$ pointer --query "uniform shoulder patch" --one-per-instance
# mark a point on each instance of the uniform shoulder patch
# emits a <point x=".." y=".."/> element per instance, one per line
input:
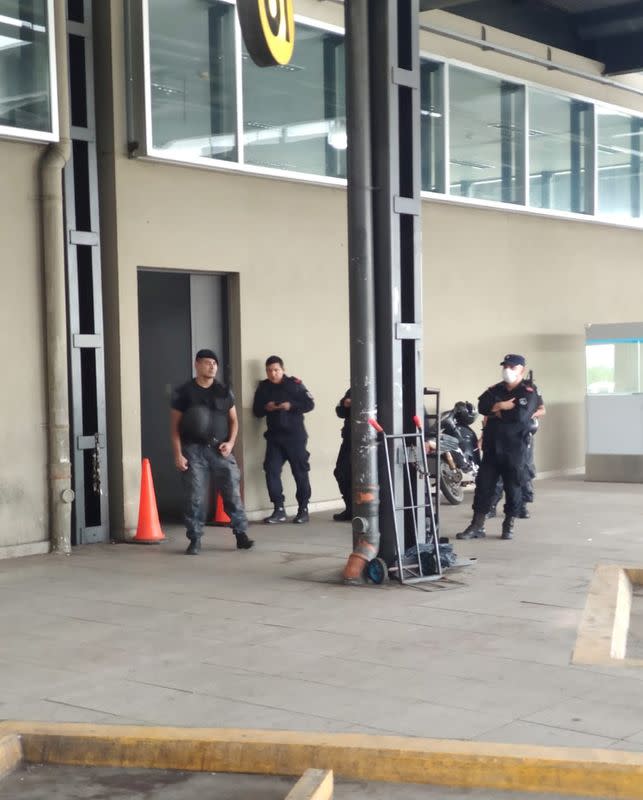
<point x="529" y="388"/>
<point x="296" y="380"/>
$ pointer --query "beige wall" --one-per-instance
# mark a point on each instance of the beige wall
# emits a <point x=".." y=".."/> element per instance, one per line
<point x="23" y="439"/>
<point x="495" y="281"/>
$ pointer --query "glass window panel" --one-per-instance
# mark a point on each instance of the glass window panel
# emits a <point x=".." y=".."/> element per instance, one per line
<point x="486" y="137"/>
<point x="295" y="115"/>
<point x="560" y="152"/>
<point x="619" y="163"/>
<point x="432" y="126"/>
<point x="192" y="79"/>
<point x="25" y="90"/>
<point x="613" y="367"/>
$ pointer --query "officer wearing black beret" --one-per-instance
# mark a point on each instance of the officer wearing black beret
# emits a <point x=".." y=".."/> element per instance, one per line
<point x="510" y="407"/>
<point x="284" y="400"/>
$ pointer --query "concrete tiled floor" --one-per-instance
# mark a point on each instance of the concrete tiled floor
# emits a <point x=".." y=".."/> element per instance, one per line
<point x="269" y="638"/>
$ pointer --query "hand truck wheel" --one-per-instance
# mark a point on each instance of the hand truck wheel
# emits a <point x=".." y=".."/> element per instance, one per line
<point x="377" y="570"/>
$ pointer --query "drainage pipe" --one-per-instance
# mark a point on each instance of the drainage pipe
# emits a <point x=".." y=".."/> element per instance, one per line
<point x="361" y="285"/>
<point x="52" y="165"/>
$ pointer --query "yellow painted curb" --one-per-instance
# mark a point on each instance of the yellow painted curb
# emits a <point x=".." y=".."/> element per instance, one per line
<point x="590" y="773"/>
<point x="315" y="784"/>
<point x="10" y="753"/>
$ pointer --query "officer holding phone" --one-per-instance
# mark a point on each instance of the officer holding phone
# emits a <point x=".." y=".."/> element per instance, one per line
<point x="284" y="400"/>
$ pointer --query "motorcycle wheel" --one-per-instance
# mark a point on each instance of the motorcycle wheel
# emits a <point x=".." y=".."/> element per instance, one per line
<point x="451" y="484"/>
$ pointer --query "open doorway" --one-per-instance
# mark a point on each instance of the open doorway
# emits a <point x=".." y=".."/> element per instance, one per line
<point x="178" y="313"/>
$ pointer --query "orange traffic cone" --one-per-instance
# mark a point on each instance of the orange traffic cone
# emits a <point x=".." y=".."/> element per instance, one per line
<point x="148" y="530"/>
<point x="220" y="517"/>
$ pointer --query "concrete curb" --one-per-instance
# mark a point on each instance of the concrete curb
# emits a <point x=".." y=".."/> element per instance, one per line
<point x="10" y="753"/>
<point x="314" y="784"/>
<point x="603" y="632"/>
<point x="567" y="771"/>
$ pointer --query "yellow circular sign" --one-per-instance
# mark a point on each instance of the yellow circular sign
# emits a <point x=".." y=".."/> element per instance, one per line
<point x="268" y="28"/>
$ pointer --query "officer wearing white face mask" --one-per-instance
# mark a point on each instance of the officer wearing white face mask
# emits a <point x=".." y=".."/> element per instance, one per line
<point x="510" y="407"/>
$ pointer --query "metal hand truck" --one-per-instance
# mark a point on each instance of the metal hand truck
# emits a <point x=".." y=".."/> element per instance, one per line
<point x="409" y="447"/>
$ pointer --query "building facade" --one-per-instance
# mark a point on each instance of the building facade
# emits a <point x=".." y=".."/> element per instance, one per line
<point x="205" y="205"/>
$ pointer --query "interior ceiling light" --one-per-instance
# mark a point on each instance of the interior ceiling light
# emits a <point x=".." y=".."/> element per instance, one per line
<point x="7" y="42"/>
<point x="471" y="164"/>
<point x="337" y="136"/>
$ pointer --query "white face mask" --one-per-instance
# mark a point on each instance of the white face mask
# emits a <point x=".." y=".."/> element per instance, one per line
<point x="509" y="375"/>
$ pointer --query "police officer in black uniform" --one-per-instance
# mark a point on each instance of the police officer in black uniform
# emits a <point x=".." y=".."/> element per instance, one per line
<point x="342" y="470"/>
<point x="284" y="400"/>
<point x="204" y="428"/>
<point x="530" y="474"/>
<point x="510" y="407"/>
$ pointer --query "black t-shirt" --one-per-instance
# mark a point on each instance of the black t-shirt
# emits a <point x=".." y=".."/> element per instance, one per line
<point x="217" y="399"/>
<point x="280" y="424"/>
<point x="511" y="428"/>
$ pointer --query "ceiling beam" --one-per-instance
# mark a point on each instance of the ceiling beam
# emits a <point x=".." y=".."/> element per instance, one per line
<point x="620" y="54"/>
<point x="432" y="5"/>
<point x="607" y="22"/>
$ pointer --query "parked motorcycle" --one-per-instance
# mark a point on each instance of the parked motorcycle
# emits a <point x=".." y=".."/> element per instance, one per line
<point x="459" y="451"/>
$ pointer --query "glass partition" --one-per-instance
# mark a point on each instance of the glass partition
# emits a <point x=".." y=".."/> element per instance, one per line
<point x="25" y="79"/>
<point x="613" y="367"/>
<point x="294" y="116"/>
<point x="192" y="79"/>
<point x="619" y="163"/>
<point x="561" y="153"/>
<point x="486" y="137"/>
<point x="432" y="118"/>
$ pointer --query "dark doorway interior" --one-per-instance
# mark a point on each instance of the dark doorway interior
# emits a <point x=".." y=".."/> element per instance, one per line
<point x="179" y="313"/>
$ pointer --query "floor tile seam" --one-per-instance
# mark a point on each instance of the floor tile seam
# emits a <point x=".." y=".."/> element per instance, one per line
<point x="570" y="730"/>
<point x="303" y="682"/>
<point x="447" y="628"/>
<point x="549" y="727"/>
<point x="395" y="696"/>
<point x="482" y="684"/>
<point x="80" y="706"/>
<point x="445" y="670"/>
<point x="237" y="701"/>
<point x="449" y="649"/>
<point x="469" y="613"/>
<point x="504" y="616"/>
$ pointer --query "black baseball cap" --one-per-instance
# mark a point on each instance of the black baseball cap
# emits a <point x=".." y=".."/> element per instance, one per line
<point x="513" y="360"/>
<point x="206" y="353"/>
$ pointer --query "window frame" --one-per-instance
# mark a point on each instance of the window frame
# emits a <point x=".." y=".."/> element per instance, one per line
<point x="29" y="134"/>
<point x="240" y="164"/>
<point x="593" y="215"/>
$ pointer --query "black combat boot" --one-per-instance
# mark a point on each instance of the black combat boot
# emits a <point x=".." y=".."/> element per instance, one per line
<point x="277" y="516"/>
<point x="194" y="548"/>
<point x="524" y="512"/>
<point x="343" y="516"/>
<point x="492" y="512"/>
<point x="302" y="515"/>
<point x="508" y="527"/>
<point x="243" y="543"/>
<point x="475" y="529"/>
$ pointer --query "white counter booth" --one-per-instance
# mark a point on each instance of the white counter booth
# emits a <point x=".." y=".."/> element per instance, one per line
<point x="614" y="403"/>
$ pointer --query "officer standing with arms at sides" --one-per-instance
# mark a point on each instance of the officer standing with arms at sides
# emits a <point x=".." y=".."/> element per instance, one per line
<point x="342" y="470"/>
<point x="510" y="407"/>
<point x="204" y="428"/>
<point x="284" y="400"/>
